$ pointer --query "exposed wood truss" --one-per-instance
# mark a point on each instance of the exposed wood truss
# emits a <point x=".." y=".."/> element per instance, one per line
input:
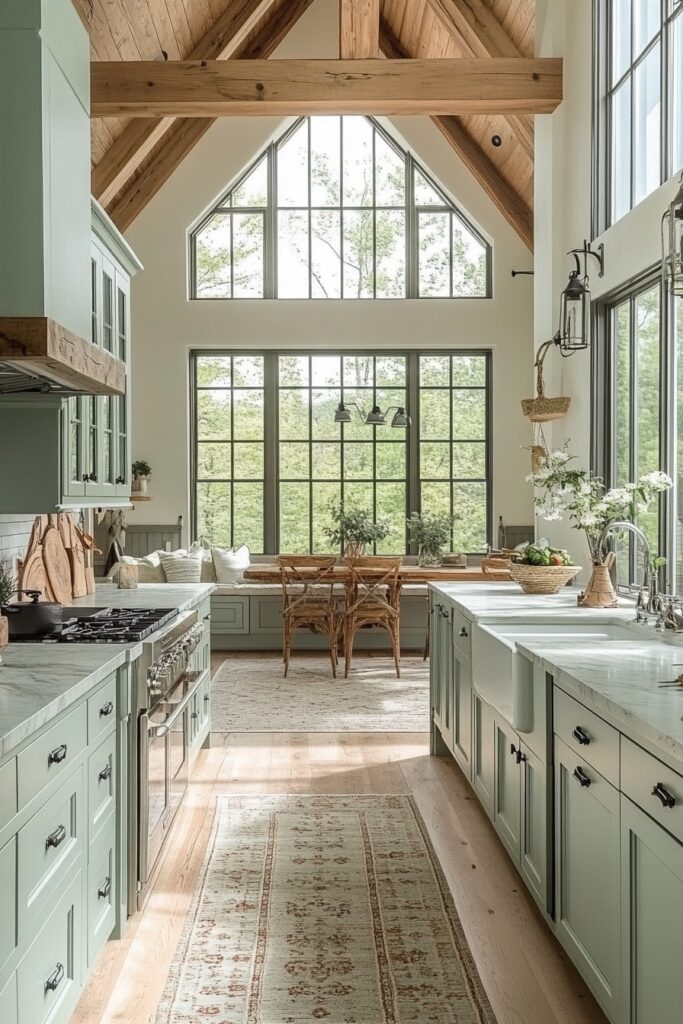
<point x="134" y="156"/>
<point x="224" y="39"/>
<point x="358" y="29"/>
<point x="510" y="204"/>
<point x="290" y="87"/>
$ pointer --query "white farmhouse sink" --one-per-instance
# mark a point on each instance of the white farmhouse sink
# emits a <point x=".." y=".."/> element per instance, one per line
<point x="505" y="677"/>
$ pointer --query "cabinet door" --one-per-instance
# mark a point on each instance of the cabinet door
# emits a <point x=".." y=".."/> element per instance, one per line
<point x="507" y="789"/>
<point x="73" y="485"/>
<point x="483" y="759"/>
<point x="122" y="406"/>
<point x="652" y="919"/>
<point x="587" y="874"/>
<point x="535" y="845"/>
<point x="446" y="675"/>
<point x="461" y="715"/>
<point x="95" y="294"/>
<point x="434" y="668"/>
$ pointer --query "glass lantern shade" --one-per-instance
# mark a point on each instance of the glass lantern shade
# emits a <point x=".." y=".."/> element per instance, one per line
<point x="672" y="244"/>
<point x="375" y="418"/>
<point x="401" y="418"/>
<point x="575" y="308"/>
<point x="342" y="414"/>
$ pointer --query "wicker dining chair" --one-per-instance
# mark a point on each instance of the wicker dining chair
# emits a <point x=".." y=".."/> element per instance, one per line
<point x="373" y="600"/>
<point x="309" y="601"/>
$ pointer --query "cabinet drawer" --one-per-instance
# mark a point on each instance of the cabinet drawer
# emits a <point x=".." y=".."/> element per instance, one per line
<point x="49" y="846"/>
<point x="655" y="788"/>
<point x="588" y="736"/>
<point x="8" y="1002"/>
<point x="462" y="629"/>
<point x="101" y="784"/>
<point x="49" y="976"/>
<point x="102" y="710"/>
<point x="102" y="890"/>
<point x="230" y="615"/>
<point x="8" y="792"/>
<point x="8" y="907"/>
<point x="51" y="755"/>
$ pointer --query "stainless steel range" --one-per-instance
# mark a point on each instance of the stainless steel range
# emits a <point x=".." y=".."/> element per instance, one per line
<point x="164" y="686"/>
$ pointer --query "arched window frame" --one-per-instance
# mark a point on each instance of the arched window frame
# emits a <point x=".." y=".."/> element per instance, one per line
<point x="270" y="211"/>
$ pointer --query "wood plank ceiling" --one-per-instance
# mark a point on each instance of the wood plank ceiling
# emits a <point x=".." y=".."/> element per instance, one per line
<point x="133" y="157"/>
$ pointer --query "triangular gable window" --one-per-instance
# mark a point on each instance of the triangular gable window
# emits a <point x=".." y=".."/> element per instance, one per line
<point x="336" y="209"/>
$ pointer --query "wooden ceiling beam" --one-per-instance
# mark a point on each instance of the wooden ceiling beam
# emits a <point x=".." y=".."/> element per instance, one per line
<point x="358" y="29"/>
<point x="281" y="88"/>
<point x="185" y="133"/>
<point x="499" y="191"/>
<point x="481" y="34"/>
<point x="226" y="37"/>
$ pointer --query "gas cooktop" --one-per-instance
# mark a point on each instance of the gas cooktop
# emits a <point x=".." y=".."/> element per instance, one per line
<point x="105" y="626"/>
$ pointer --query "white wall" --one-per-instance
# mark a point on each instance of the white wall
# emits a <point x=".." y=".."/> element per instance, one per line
<point x="166" y="325"/>
<point x="563" y="220"/>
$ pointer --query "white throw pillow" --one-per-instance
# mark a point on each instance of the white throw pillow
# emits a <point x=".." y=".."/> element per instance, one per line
<point x="208" y="573"/>
<point x="149" y="568"/>
<point x="181" y="567"/>
<point x="230" y="563"/>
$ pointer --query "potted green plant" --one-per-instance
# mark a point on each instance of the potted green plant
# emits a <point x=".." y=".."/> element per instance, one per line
<point x="352" y="530"/>
<point x="432" y="533"/>
<point x="8" y="585"/>
<point x="141" y="472"/>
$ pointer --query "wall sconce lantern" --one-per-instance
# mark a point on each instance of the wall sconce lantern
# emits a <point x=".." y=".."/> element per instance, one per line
<point x="375" y="418"/>
<point x="672" y="243"/>
<point x="575" y="302"/>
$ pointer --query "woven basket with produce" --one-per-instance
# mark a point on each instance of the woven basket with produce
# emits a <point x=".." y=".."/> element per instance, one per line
<point x="540" y="569"/>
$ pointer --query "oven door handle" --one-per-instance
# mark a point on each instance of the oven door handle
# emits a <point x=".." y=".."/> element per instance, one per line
<point x="163" y="730"/>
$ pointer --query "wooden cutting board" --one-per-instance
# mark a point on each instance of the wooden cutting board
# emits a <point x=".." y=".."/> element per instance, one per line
<point x="34" y="577"/>
<point x="77" y="562"/>
<point x="88" y="545"/>
<point x="36" y="538"/>
<point x="57" y="567"/>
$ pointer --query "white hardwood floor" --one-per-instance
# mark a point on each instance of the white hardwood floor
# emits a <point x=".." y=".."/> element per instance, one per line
<point x="526" y="974"/>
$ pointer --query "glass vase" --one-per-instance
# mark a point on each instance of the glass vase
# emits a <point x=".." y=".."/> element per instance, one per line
<point x="427" y="556"/>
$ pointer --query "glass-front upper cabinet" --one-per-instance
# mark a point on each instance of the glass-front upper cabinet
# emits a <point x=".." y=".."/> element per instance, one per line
<point x="96" y="435"/>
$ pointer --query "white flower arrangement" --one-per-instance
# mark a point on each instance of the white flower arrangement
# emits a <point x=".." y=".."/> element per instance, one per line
<point x="582" y="498"/>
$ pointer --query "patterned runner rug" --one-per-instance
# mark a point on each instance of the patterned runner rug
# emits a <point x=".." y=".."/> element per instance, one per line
<point x="251" y="695"/>
<point x="322" y="908"/>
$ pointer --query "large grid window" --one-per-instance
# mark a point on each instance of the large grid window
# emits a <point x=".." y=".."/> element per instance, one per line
<point x="269" y="459"/>
<point x="335" y="209"/>
<point x="229" y="405"/>
<point x="639" y="95"/>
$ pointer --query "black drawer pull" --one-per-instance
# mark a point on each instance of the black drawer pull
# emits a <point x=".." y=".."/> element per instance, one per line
<point x="105" y="773"/>
<point x="581" y="777"/>
<point x="206" y="698"/>
<point x="463" y="632"/>
<point x="106" y="709"/>
<point x="667" y="798"/>
<point x="104" y="889"/>
<point x="56" y="838"/>
<point x="581" y="736"/>
<point x="57" y="755"/>
<point x="195" y="714"/>
<point x="55" y="978"/>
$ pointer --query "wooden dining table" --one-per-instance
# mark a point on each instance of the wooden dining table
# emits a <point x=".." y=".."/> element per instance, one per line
<point x="265" y="573"/>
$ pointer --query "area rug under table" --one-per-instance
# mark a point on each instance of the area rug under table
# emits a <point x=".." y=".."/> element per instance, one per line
<point x="251" y="695"/>
<point x="322" y="908"/>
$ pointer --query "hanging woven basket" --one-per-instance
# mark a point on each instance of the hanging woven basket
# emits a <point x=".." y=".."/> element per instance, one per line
<point x="542" y="409"/>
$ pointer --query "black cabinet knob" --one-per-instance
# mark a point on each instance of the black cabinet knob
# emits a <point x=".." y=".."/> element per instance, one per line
<point x="106" y="709"/>
<point x="463" y="632"/>
<point x="104" y="889"/>
<point x="56" y="838"/>
<point x="57" y="755"/>
<point x="581" y="736"/>
<point x="663" y="794"/>
<point x="120" y="480"/>
<point x="55" y="978"/>
<point x="581" y="777"/>
<point x="105" y="773"/>
<point x="93" y="477"/>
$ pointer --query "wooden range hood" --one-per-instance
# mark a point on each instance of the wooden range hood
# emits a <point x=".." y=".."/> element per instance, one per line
<point x="45" y="212"/>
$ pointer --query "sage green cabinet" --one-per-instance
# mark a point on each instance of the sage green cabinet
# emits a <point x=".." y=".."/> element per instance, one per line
<point x="461" y="714"/>
<point x="587" y="865"/>
<point x="441" y="672"/>
<point x="507" y="787"/>
<point x="484" y="758"/>
<point x="652" y="920"/>
<point x="535" y="843"/>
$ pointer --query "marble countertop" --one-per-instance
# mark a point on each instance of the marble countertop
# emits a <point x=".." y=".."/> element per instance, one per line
<point x="506" y="602"/>
<point x="39" y="681"/>
<point x="618" y="680"/>
<point x="182" y="596"/>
